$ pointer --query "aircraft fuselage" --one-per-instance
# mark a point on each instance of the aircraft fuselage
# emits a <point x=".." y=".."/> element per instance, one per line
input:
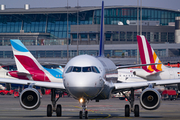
<point x="83" y="83"/>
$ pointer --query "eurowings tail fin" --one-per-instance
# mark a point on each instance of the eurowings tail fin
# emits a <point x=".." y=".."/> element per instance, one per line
<point x="101" y="43"/>
<point x="148" y="55"/>
<point x="25" y="61"/>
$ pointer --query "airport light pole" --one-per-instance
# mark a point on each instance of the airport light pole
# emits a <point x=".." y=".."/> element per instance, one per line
<point x="77" y="28"/>
<point x="137" y="17"/>
<point x="137" y="30"/>
<point x="138" y="25"/>
<point x="67" y="34"/>
<point x="141" y="19"/>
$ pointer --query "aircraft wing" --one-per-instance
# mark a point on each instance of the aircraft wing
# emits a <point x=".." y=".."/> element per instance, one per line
<point x="138" y="65"/>
<point x="36" y="83"/>
<point x="136" y="85"/>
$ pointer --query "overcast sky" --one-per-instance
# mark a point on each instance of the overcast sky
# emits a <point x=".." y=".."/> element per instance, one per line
<point x="168" y="4"/>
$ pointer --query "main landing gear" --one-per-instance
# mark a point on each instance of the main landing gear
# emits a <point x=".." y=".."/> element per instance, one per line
<point x="52" y="108"/>
<point x="134" y="109"/>
<point x="84" y="112"/>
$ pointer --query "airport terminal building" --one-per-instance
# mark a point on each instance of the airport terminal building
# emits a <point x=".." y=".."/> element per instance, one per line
<point x="46" y="32"/>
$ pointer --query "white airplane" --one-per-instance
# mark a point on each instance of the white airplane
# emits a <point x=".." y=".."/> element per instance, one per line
<point x="3" y="74"/>
<point x="29" y="68"/>
<point x="153" y="72"/>
<point x="86" y="78"/>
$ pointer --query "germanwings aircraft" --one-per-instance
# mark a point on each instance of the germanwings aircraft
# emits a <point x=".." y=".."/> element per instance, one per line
<point x="29" y="68"/>
<point x="153" y="72"/>
<point x="126" y="75"/>
<point x="88" y="78"/>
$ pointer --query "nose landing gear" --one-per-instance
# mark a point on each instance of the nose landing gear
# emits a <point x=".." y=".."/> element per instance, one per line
<point x="84" y="112"/>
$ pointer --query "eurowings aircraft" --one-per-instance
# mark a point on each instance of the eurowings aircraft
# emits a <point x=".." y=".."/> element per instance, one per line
<point x="29" y="68"/>
<point x="3" y="73"/>
<point x="153" y="72"/>
<point x="86" y="78"/>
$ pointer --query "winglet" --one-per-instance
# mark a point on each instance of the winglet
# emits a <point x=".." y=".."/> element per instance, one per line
<point x="101" y="43"/>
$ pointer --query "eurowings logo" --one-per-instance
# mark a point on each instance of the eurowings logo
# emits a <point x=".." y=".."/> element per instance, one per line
<point x="148" y="56"/>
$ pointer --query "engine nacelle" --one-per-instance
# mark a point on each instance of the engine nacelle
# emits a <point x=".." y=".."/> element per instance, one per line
<point x="150" y="99"/>
<point x="30" y="99"/>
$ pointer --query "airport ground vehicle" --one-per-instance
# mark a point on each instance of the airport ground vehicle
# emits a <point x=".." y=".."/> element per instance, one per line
<point x="169" y="95"/>
<point x="16" y="93"/>
<point x="6" y="92"/>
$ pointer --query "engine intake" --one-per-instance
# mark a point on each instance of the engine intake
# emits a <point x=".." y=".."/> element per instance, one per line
<point x="150" y="99"/>
<point x="30" y="99"/>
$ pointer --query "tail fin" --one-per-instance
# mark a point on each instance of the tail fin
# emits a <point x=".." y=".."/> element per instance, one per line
<point x="101" y="43"/>
<point x="148" y="55"/>
<point x="25" y="61"/>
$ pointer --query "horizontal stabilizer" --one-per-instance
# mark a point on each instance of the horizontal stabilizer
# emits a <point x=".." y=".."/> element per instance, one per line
<point x="154" y="74"/>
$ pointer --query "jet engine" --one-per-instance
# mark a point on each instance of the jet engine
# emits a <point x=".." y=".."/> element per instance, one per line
<point x="150" y="99"/>
<point x="30" y="99"/>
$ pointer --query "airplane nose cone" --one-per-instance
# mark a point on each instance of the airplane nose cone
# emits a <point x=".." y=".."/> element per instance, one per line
<point x="84" y="92"/>
<point x="84" y="85"/>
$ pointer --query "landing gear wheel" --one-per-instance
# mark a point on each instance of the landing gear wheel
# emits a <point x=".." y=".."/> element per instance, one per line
<point x="49" y="110"/>
<point x="58" y="110"/>
<point x="80" y="115"/>
<point x="127" y="111"/>
<point x="86" y="114"/>
<point x="136" y="111"/>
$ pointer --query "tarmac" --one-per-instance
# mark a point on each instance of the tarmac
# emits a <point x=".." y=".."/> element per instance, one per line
<point x="113" y="108"/>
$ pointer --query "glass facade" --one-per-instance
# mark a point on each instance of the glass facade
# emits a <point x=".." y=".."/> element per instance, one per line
<point x="72" y="53"/>
<point x="56" y="23"/>
<point x="115" y="15"/>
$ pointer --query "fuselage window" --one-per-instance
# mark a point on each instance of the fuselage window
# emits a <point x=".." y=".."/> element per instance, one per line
<point x="86" y="69"/>
<point x="77" y="69"/>
<point x="94" y="69"/>
<point x="69" y="69"/>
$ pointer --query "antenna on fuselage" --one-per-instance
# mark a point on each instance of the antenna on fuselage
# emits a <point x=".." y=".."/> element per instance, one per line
<point x="101" y="42"/>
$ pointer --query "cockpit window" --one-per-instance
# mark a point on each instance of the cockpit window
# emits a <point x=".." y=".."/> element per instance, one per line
<point x="86" y="69"/>
<point x="69" y="69"/>
<point x="77" y="69"/>
<point x="94" y="69"/>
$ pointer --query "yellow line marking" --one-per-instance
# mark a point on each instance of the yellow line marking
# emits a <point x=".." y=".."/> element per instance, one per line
<point x="96" y="112"/>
